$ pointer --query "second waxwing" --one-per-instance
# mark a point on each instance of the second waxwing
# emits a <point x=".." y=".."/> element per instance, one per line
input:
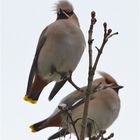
<point x="59" y="50"/>
<point x="104" y="107"/>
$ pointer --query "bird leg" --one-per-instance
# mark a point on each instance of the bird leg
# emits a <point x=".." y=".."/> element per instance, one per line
<point x="73" y="84"/>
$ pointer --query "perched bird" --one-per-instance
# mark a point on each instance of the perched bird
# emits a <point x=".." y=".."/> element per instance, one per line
<point x="104" y="107"/>
<point x="59" y="50"/>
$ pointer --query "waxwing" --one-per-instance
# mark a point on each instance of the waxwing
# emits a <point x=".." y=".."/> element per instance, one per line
<point x="104" y="107"/>
<point x="59" y="50"/>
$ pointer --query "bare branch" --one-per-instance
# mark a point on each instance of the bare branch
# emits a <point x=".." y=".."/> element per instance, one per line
<point x="92" y="69"/>
<point x="64" y="109"/>
<point x="100" y="136"/>
<point x="90" y="77"/>
<point x="116" y="33"/>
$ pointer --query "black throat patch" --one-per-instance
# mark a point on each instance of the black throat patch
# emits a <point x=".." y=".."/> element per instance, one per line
<point x="62" y="14"/>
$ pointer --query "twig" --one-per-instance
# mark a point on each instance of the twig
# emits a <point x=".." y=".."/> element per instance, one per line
<point x="90" y="77"/>
<point x="64" y="109"/>
<point x="107" y="35"/>
<point x="100" y="136"/>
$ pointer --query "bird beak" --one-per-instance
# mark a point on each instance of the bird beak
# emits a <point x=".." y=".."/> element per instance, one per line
<point x="118" y="87"/>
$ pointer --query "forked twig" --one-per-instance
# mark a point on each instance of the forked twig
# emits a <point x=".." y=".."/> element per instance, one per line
<point x="64" y="109"/>
<point x="100" y="136"/>
<point x="92" y="69"/>
<point x="90" y="77"/>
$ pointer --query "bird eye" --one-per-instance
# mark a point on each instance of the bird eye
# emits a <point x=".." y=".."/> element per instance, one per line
<point x="64" y="14"/>
<point x="70" y="13"/>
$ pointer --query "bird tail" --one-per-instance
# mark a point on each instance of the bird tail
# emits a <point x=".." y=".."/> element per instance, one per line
<point x="36" y="87"/>
<point x="55" y="121"/>
<point x="60" y="133"/>
<point x="56" y="88"/>
<point x="39" y="126"/>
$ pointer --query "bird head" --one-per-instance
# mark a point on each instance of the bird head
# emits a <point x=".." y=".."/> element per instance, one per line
<point x="65" y="10"/>
<point x="107" y="81"/>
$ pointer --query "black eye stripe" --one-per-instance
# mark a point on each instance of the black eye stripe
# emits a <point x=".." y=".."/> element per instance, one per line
<point x="69" y="13"/>
<point x="64" y="14"/>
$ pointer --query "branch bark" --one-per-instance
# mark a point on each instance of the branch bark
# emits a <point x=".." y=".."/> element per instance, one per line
<point x="66" y="110"/>
<point x="90" y="76"/>
<point x="92" y="69"/>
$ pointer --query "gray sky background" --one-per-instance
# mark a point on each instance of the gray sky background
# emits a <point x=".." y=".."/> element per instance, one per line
<point x="22" y="23"/>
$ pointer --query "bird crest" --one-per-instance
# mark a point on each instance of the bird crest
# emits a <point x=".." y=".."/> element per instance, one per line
<point x="108" y="78"/>
<point x="64" y="5"/>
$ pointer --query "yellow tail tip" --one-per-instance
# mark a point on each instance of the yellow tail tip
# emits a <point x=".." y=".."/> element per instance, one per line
<point x="26" y="98"/>
<point x="32" y="128"/>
